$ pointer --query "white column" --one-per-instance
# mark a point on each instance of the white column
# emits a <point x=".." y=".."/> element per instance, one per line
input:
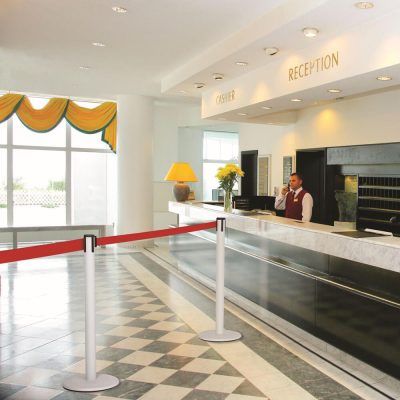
<point x="135" y="164"/>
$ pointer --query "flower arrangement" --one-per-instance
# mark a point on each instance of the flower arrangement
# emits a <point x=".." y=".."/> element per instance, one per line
<point x="227" y="177"/>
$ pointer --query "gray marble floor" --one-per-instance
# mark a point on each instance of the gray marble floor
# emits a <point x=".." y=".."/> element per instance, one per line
<point x="152" y="349"/>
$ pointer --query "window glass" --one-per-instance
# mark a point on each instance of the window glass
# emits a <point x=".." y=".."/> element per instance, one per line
<point x="3" y="187"/>
<point x="39" y="187"/>
<point x="87" y="140"/>
<point x="24" y="136"/>
<point x="89" y="188"/>
<point x="3" y="132"/>
<point x="222" y="148"/>
<point x="111" y="188"/>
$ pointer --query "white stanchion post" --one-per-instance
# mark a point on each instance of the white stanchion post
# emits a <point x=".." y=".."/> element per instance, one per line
<point x="220" y="334"/>
<point x="91" y="382"/>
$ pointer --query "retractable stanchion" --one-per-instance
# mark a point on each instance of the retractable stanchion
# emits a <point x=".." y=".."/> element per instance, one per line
<point x="220" y="334"/>
<point x="92" y="382"/>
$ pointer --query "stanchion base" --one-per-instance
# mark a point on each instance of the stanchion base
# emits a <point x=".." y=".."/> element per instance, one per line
<point x="80" y="384"/>
<point x="213" y="336"/>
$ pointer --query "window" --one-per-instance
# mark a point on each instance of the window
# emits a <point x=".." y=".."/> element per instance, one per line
<point x="3" y="133"/>
<point x="59" y="177"/>
<point x="219" y="148"/>
<point x="3" y="187"/>
<point x="93" y="187"/>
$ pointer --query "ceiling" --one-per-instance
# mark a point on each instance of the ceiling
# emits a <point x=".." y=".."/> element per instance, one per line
<point x="43" y="43"/>
<point x="160" y="48"/>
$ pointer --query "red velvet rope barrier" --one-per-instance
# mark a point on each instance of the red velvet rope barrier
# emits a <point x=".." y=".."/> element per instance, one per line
<point x="45" y="250"/>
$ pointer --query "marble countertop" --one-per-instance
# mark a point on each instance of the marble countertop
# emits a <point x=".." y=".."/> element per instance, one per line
<point x="380" y="251"/>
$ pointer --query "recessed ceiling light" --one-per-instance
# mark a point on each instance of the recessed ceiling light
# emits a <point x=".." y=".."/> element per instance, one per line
<point x="310" y="32"/>
<point x="334" y="90"/>
<point x="364" y="5"/>
<point x="199" y="85"/>
<point x="242" y="63"/>
<point x="271" y="51"/>
<point x="296" y="100"/>
<point x="242" y="114"/>
<point x="84" y="67"/>
<point x="266" y="107"/>
<point x="384" y="78"/>
<point x="218" y="77"/>
<point x="98" y="44"/>
<point x="120" y="10"/>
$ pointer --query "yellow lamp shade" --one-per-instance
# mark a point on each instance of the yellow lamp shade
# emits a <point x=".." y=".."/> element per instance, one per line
<point x="181" y="172"/>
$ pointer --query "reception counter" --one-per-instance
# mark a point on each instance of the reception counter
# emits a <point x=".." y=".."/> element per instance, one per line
<point x="343" y="290"/>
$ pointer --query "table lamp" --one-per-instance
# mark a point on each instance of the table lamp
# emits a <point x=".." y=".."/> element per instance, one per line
<point x="181" y="172"/>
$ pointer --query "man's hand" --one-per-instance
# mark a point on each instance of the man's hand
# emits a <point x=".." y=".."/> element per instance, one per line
<point x="284" y="190"/>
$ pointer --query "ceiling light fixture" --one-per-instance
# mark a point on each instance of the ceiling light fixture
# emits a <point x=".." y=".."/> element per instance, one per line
<point x="242" y="114"/>
<point x="182" y="91"/>
<point x="84" y="67"/>
<point x="334" y="90"/>
<point x="218" y="77"/>
<point x="119" y="10"/>
<point x="271" y="51"/>
<point x="98" y="44"/>
<point x="364" y="5"/>
<point x="310" y="32"/>
<point x="296" y="100"/>
<point x="242" y="63"/>
<point x="266" y="107"/>
<point x="384" y="78"/>
<point x="199" y="85"/>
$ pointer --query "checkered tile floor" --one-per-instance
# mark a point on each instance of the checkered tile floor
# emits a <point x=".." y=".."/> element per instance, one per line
<point x="155" y="355"/>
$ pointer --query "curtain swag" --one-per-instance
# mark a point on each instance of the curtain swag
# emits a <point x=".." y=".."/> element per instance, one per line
<point x="99" y="119"/>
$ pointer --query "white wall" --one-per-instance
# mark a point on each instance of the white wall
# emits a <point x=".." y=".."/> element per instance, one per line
<point x="363" y="120"/>
<point x="278" y="141"/>
<point x="190" y="149"/>
<point x="369" y="119"/>
<point x="178" y="136"/>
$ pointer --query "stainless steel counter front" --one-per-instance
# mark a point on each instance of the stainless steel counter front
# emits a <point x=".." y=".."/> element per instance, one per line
<point x="335" y="288"/>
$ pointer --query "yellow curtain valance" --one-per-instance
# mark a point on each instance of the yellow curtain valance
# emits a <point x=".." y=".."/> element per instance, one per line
<point x="99" y="119"/>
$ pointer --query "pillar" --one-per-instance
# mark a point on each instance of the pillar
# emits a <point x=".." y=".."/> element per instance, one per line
<point x="135" y="164"/>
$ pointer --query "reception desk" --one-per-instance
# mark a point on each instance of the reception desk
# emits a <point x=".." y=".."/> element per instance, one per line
<point x="343" y="290"/>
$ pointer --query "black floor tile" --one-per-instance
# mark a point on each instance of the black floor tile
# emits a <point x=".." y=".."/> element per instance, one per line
<point x="7" y="390"/>
<point x="185" y="379"/>
<point x="170" y="361"/>
<point x="248" y="389"/>
<point x="151" y="334"/>
<point x="160" y="347"/>
<point x="112" y="354"/>
<point x="205" y="395"/>
<point x="121" y="370"/>
<point x="130" y="390"/>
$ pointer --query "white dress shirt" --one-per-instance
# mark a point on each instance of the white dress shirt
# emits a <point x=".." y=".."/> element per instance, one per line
<point x="307" y="204"/>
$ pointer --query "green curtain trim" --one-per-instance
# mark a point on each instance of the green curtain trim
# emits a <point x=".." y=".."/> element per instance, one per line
<point x="102" y="130"/>
<point x="50" y="129"/>
<point x="91" y="132"/>
<point x="14" y="110"/>
<point x="103" y="139"/>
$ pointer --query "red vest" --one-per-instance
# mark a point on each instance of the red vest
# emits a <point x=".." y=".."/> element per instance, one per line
<point x="294" y="205"/>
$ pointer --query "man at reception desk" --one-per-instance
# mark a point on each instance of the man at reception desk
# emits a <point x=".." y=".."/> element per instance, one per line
<point x="296" y="201"/>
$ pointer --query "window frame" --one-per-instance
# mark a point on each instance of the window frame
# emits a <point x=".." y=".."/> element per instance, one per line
<point x="67" y="149"/>
<point x="215" y="161"/>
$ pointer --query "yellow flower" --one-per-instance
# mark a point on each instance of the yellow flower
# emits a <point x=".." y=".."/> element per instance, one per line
<point x="228" y="176"/>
